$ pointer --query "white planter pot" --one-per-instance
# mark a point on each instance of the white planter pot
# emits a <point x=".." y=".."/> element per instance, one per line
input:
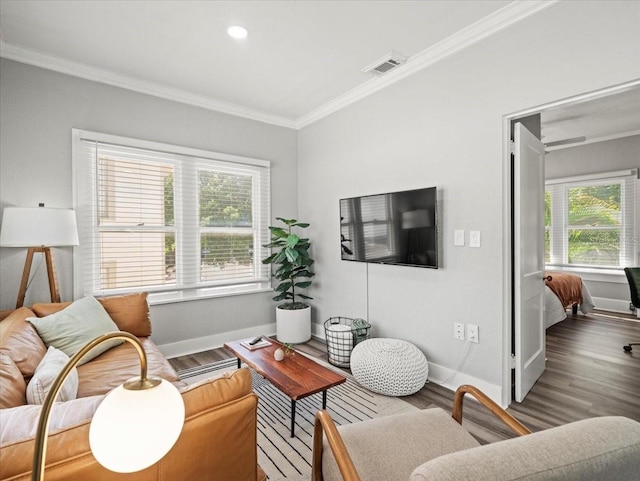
<point x="293" y="326"/>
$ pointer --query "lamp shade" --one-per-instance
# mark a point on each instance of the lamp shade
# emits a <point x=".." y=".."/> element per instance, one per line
<point x="38" y="226"/>
<point x="133" y="429"/>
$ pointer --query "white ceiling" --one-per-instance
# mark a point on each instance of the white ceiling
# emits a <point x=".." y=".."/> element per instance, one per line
<point x="598" y="119"/>
<point x="301" y="56"/>
<point x="301" y="61"/>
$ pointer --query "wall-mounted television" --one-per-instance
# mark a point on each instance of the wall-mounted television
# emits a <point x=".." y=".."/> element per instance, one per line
<point x="399" y="228"/>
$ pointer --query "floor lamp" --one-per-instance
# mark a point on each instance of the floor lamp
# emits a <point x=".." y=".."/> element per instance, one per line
<point x="38" y="229"/>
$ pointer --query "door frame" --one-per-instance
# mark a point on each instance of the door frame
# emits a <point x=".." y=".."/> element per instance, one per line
<point x="507" y="228"/>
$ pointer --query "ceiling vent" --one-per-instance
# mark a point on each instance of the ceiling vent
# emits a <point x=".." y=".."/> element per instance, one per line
<point x="387" y="63"/>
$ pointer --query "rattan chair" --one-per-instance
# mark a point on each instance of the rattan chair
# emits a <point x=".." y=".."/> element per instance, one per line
<point x="633" y="276"/>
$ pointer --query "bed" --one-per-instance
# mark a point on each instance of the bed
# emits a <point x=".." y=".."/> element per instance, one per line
<point x="564" y="291"/>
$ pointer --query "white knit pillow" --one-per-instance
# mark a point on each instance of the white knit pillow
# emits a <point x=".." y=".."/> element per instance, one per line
<point x="46" y="373"/>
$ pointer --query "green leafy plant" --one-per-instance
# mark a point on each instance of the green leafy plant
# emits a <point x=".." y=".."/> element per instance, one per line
<point x="292" y="261"/>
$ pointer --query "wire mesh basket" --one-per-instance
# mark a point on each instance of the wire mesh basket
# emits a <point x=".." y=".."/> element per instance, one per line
<point x="342" y="335"/>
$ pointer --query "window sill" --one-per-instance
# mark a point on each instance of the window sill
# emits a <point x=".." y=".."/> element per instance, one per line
<point x="594" y="275"/>
<point x="171" y="297"/>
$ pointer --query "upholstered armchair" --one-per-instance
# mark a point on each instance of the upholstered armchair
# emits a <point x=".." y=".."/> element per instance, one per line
<point x="433" y="445"/>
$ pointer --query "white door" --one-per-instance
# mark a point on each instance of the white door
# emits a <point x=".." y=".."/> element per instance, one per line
<point x="528" y="263"/>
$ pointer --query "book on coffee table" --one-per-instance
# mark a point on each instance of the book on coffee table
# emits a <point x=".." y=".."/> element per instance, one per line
<point x="260" y="344"/>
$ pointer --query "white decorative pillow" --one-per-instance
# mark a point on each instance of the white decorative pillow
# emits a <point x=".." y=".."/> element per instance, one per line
<point x="46" y="373"/>
<point x="74" y="326"/>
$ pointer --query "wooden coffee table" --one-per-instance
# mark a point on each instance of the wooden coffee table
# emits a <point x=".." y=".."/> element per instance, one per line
<point x="296" y="375"/>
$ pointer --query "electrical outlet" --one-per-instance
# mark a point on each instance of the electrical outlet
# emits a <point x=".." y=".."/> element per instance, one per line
<point x="472" y="333"/>
<point x="458" y="331"/>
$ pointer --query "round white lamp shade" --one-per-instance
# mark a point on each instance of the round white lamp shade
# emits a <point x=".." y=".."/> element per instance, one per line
<point x="133" y="429"/>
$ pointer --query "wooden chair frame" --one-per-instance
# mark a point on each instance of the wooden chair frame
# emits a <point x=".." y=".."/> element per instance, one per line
<point x="324" y="426"/>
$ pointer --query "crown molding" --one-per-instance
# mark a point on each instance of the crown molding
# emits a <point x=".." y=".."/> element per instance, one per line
<point x="489" y="25"/>
<point x="31" y="57"/>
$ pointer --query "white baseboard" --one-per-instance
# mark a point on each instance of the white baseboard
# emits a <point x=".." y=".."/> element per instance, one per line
<point x="191" y="346"/>
<point x="317" y="330"/>
<point x="438" y="373"/>
<point x="614" y="305"/>
<point x="442" y="376"/>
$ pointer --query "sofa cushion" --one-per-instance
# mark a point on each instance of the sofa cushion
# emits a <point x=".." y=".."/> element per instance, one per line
<point x="596" y="448"/>
<point x="12" y="386"/>
<point x="130" y="312"/>
<point x="74" y="326"/>
<point x="117" y="365"/>
<point x="21" y="342"/>
<point x="46" y="373"/>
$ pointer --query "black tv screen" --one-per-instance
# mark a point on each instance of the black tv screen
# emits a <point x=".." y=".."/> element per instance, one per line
<point x="398" y="228"/>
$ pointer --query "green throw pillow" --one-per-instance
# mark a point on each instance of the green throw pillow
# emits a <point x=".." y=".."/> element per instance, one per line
<point x="74" y="326"/>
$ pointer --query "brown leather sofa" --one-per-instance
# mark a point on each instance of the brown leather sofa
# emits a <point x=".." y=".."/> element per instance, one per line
<point x="218" y="440"/>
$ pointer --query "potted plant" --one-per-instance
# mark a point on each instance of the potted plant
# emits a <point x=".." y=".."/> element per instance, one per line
<point x="293" y="264"/>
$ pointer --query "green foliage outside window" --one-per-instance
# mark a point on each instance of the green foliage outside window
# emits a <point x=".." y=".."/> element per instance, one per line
<point x="547" y="226"/>
<point x="225" y="201"/>
<point x="594" y="222"/>
<point x="594" y="225"/>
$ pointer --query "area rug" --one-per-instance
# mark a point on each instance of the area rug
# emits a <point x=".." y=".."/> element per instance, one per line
<point x="281" y="456"/>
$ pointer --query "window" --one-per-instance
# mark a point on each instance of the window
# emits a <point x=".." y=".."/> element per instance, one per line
<point x="177" y="222"/>
<point x="590" y="220"/>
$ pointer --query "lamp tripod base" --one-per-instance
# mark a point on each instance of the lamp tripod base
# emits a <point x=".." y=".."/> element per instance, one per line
<point x="51" y="274"/>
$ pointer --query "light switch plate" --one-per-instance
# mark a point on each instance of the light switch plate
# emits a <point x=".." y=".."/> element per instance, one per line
<point x="458" y="237"/>
<point x="474" y="238"/>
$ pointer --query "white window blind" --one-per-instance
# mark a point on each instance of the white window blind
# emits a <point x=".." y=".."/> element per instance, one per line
<point x="591" y="220"/>
<point x="164" y="218"/>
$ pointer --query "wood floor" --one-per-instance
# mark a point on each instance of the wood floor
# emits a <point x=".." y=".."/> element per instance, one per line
<point x="588" y="374"/>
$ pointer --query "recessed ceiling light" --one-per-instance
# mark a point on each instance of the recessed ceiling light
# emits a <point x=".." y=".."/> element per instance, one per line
<point x="237" y="31"/>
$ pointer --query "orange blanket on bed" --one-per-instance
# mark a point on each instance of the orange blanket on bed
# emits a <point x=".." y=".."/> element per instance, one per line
<point x="567" y="287"/>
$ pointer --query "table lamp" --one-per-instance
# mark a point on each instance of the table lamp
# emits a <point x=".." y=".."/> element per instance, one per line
<point x="38" y="229"/>
<point x="136" y="424"/>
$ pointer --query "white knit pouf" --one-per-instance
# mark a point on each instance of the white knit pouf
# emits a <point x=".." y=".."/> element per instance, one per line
<point x="389" y="366"/>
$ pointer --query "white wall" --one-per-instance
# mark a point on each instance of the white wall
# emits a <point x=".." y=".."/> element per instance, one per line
<point x="443" y="127"/>
<point x="617" y="154"/>
<point x="38" y="109"/>
<point x="612" y="155"/>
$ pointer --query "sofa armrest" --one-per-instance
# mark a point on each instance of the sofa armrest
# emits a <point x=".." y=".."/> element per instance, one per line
<point x="596" y="448"/>
<point x="219" y="438"/>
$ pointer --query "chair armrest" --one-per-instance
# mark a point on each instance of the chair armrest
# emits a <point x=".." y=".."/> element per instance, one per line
<point x="515" y="425"/>
<point x="324" y="424"/>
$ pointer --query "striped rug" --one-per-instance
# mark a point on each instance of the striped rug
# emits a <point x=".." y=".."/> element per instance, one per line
<point x="281" y="456"/>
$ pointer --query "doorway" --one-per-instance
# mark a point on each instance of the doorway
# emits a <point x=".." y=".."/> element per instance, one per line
<point x="588" y="118"/>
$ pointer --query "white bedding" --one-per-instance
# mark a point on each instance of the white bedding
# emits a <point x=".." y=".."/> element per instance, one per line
<point x="554" y="311"/>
